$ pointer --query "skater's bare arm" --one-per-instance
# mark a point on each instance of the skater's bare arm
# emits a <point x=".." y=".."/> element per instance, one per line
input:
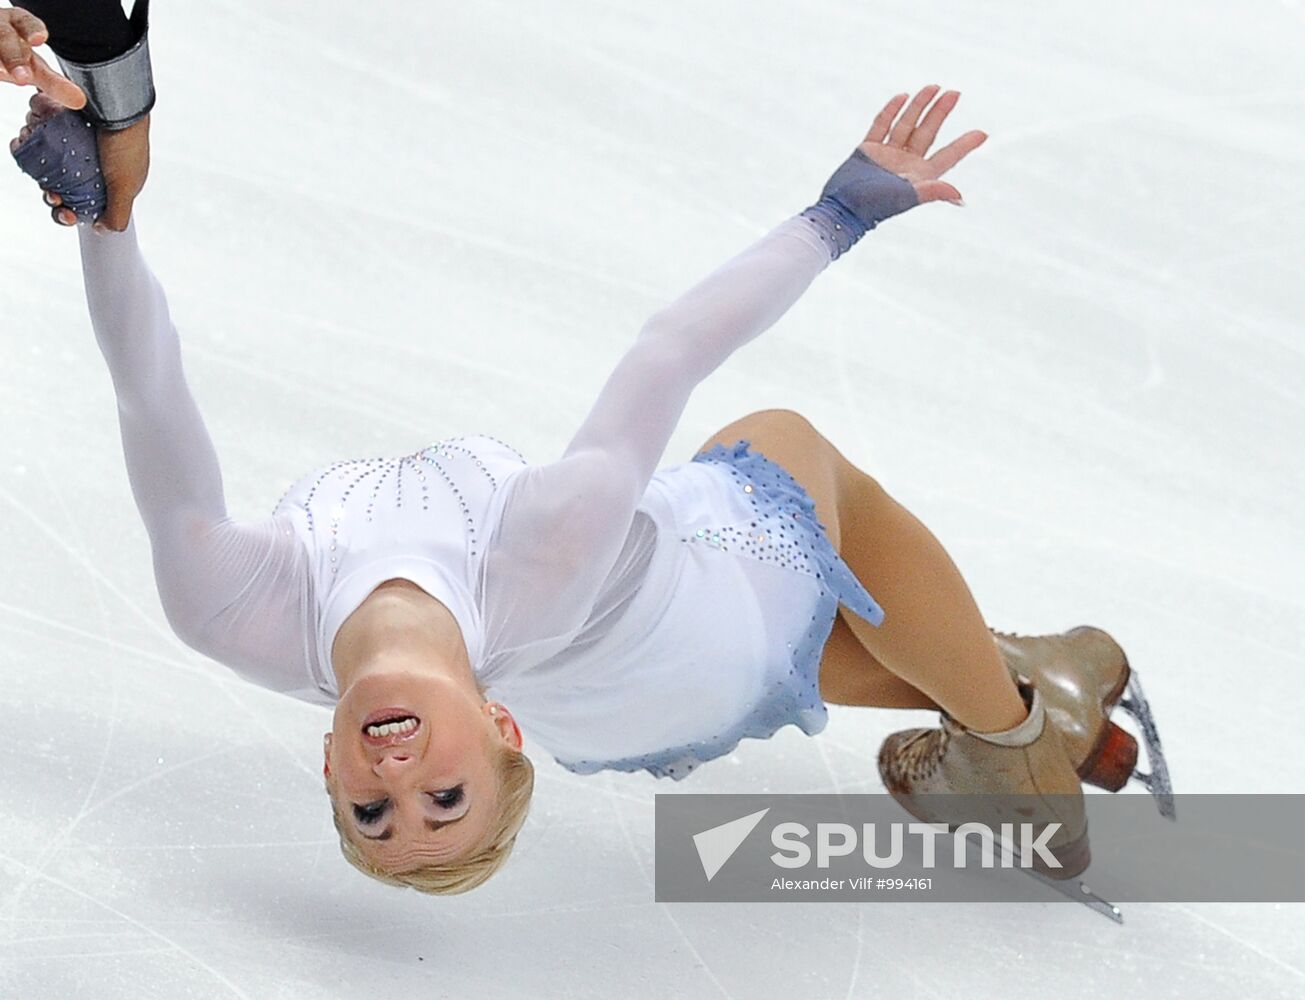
<point x="581" y="506"/>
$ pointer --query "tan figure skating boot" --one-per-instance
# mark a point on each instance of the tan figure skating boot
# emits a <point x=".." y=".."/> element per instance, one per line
<point x="1081" y="675"/>
<point x="953" y="775"/>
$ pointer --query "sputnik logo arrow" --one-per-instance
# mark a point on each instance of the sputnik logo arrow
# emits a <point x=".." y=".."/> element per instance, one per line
<point x="717" y="845"/>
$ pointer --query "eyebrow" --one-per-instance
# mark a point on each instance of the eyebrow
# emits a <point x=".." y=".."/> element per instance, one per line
<point x="431" y="824"/>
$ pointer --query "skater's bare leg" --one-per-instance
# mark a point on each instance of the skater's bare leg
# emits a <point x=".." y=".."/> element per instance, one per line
<point x="933" y="635"/>
<point x="850" y="675"/>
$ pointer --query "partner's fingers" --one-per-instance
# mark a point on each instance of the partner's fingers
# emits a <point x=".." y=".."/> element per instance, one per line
<point x="117" y="213"/>
<point x="125" y="160"/>
<point x="884" y="120"/>
<point x="57" y="86"/>
<point x="63" y="216"/>
<point x="906" y="124"/>
<point x="924" y="134"/>
<point x="955" y="151"/>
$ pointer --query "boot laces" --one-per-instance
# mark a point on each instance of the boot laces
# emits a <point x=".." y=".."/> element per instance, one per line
<point x="920" y="756"/>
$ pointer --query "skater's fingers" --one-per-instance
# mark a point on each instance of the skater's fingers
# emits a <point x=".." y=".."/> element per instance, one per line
<point x="884" y="120"/>
<point x="57" y="86"/>
<point x="43" y="106"/>
<point x="906" y="124"/>
<point x="922" y="138"/>
<point x="955" y="151"/>
<point x="51" y="199"/>
<point x="40" y="110"/>
<point x="15" y="53"/>
<point x="64" y="216"/>
<point x="28" y="25"/>
<point x="928" y="191"/>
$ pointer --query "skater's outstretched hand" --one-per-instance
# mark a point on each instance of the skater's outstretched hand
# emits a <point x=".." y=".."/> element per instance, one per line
<point x="124" y="160"/>
<point x="20" y="32"/>
<point x="901" y="147"/>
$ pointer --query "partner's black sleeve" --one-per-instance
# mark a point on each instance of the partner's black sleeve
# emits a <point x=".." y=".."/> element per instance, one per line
<point x="104" y="52"/>
<point x="89" y="31"/>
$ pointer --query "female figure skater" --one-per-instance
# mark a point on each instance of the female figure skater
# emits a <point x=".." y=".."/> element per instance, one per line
<point x="447" y="600"/>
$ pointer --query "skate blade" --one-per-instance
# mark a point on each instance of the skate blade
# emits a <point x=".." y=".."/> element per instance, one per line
<point x="1071" y="888"/>
<point x="1157" y="781"/>
<point x="1079" y="891"/>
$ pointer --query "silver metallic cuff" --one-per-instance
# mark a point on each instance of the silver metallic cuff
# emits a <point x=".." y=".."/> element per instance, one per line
<point x="119" y="91"/>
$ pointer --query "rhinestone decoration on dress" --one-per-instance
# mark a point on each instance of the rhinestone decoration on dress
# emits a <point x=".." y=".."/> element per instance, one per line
<point x="408" y="483"/>
<point x="784" y="530"/>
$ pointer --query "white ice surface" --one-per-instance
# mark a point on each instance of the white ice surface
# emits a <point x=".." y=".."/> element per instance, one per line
<point x="1090" y="382"/>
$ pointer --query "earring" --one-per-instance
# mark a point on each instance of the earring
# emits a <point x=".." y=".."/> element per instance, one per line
<point x="493" y="710"/>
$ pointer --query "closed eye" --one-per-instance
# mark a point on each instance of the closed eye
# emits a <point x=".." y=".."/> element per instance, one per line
<point x="449" y="798"/>
<point x="370" y="812"/>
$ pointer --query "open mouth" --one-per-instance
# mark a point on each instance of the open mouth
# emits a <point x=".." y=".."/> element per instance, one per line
<point x="390" y="725"/>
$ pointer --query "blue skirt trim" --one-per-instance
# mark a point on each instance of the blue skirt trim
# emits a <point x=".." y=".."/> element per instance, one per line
<point x="785" y="531"/>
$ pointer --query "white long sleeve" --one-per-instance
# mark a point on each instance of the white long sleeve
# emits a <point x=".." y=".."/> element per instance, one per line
<point x="236" y="592"/>
<point x="564" y="524"/>
<point x="266" y="598"/>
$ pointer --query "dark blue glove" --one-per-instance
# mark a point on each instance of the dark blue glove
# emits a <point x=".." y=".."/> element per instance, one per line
<point x="859" y="196"/>
<point x="62" y="157"/>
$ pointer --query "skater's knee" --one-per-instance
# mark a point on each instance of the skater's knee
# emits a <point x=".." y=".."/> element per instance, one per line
<point x="779" y="434"/>
<point x="782" y="419"/>
<point x="778" y="425"/>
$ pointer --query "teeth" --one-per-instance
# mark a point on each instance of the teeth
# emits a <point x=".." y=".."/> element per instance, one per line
<point x="407" y="725"/>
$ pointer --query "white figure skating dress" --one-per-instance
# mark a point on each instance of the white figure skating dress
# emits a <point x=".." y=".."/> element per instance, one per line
<point x="630" y="618"/>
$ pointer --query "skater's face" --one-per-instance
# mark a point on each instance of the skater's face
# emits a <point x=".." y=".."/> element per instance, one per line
<point x="411" y="762"/>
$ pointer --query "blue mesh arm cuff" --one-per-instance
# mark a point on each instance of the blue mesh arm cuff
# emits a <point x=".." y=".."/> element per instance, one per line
<point x="859" y="196"/>
<point x="119" y="91"/>
<point x="61" y="156"/>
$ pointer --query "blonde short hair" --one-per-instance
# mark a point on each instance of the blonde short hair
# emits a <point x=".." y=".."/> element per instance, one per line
<point x="516" y="785"/>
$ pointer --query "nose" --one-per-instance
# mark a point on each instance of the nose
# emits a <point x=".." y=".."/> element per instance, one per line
<point x="391" y="764"/>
